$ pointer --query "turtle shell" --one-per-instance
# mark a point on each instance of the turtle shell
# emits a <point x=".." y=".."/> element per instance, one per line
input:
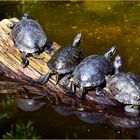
<point x="125" y="87"/>
<point x="28" y="36"/>
<point x="92" y="70"/>
<point x="65" y="59"/>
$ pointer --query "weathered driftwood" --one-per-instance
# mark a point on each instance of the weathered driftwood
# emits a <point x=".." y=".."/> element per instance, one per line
<point x="13" y="78"/>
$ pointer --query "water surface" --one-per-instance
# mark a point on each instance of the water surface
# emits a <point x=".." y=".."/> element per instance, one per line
<point x="103" y="24"/>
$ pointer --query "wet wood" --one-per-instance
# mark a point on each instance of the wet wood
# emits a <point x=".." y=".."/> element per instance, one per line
<point x="14" y="78"/>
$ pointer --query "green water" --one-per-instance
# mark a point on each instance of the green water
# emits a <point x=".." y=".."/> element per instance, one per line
<point x="102" y="24"/>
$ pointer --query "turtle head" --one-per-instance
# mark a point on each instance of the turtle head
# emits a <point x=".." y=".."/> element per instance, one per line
<point x="25" y="16"/>
<point x="110" y="52"/>
<point x="77" y="40"/>
<point x="118" y="64"/>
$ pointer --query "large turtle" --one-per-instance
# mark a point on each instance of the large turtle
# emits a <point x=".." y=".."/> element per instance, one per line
<point x="29" y="38"/>
<point x="125" y="87"/>
<point x="91" y="72"/>
<point x="64" y="60"/>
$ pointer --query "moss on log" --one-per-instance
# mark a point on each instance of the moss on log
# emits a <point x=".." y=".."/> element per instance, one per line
<point x="13" y="78"/>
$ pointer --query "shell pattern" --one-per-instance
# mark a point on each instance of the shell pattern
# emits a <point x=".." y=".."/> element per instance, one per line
<point x="125" y="87"/>
<point x="65" y="59"/>
<point x="92" y="70"/>
<point x="28" y="36"/>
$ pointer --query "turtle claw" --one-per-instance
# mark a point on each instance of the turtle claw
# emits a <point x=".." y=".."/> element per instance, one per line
<point x="24" y="59"/>
<point x="25" y="62"/>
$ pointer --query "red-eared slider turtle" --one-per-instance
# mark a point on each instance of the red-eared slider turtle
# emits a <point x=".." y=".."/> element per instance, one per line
<point x="64" y="60"/>
<point x="29" y="38"/>
<point x="91" y="72"/>
<point x="125" y="87"/>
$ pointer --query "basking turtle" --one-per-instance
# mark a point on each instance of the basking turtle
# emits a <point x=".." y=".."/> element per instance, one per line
<point x="64" y="60"/>
<point x="125" y="87"/>
<point x="29" y="38"/>
<point x="91" y="72"/>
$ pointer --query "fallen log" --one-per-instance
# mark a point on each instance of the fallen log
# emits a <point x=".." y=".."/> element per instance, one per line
<point x="14" y="78"/>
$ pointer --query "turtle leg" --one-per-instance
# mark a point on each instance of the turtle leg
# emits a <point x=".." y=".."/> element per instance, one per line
<point x="43" y="79"/>
<point x="47" y="47"/>
<point x="71" y="87"/>
<point x="99" y="91"/>
<point x="65" y="81"/>
<point x="82" y="92"/>
<point x="58" y="77"/>
<point x="24" y="59"/>
<point x="132" y="109"/>
<point x="37" y="55"/>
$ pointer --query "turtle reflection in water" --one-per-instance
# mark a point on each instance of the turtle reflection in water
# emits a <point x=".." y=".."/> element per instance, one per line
<point x="29" y="104"/>
<point x="90" y="117"/>
<point x="62" y="110"/>
<point x="30" y="38"/>
<point x="123" y="122"/>
<point x="26" y="102"/>
<point x="125" y="87"/>
<point x="64" y="60"/>
<point x="91" y="72"/>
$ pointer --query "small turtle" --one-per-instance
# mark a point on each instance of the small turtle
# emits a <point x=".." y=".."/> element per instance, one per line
<point x="29" y="38"/>
<point x="91" y="72"/>
<point x="64" y="60"/>
<point x="125" y="87"/>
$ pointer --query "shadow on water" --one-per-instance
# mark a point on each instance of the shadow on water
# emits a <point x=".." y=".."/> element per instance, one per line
<point x="102" y="24"/>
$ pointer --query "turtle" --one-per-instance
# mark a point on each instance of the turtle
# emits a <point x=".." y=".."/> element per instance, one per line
<point x="125" y="87"/>
<point x="64" y="60"/>
<point x="91" y="71"/>
<point x="30" y="39"/>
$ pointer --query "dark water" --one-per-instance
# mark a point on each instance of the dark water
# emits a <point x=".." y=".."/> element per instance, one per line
<point x="102" y="24"/>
